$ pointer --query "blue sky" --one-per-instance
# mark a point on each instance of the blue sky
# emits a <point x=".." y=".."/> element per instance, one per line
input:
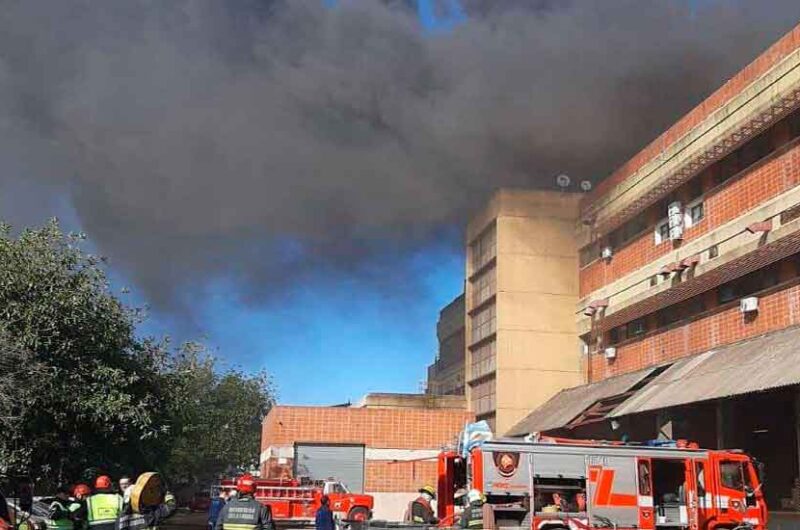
<point x="332" y="340"/>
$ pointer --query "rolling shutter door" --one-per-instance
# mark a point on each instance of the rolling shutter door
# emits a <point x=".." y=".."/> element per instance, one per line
<point x="342" y="462"/>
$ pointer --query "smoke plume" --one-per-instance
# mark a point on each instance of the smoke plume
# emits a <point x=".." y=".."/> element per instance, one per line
<point x="262" y="141"/>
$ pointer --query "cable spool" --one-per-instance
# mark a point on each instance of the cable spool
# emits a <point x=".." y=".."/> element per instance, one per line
<point x="147" y="492"/>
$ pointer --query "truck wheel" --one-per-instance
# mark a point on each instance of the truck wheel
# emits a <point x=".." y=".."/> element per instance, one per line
<point x="359" y="513"/>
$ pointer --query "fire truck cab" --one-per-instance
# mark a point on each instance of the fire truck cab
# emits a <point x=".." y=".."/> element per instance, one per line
<point x="549" y="484"/>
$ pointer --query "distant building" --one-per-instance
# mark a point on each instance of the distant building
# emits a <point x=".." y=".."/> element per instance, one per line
<point x="690" y="284"/>
<point x="446" y="375"/>
<point x="385" y="446"/>
<point x="521" y="293"/>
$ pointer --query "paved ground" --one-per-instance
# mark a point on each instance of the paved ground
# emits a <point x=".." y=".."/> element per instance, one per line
<point x="196" y="521"/>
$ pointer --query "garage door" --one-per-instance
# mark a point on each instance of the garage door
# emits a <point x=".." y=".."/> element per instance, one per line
<point x="322" y="461"/>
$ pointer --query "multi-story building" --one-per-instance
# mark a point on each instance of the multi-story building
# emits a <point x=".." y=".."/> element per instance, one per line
<point x="521" y="294"/>
<point x="690" y="282"/>
<point x="446" y="374"/>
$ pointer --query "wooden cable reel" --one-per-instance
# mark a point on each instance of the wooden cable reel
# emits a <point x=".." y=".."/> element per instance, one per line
<point x="147" y="492"/>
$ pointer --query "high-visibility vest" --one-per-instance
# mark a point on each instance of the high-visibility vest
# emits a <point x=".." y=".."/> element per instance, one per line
<point x="64" y="523"/>
<point x="103" y="509"/>
<point x="474" y="515"/>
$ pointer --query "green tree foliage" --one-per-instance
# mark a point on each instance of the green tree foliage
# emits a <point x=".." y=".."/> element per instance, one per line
<point x="80" y="391"/>
<point x="217" y="416"/>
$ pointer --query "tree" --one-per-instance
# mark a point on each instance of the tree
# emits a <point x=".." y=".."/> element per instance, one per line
<point x="217" y="415"/>
<point x="93" y="400"/>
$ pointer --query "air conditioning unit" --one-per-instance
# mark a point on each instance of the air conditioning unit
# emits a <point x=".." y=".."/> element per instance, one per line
<point x="749" y="304"/>
<point x="675" y="219"/>
<point x="606" y="253"/>
<point x="611" y="353"/>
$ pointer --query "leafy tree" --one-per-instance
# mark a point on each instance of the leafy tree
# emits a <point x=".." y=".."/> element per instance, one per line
<point x="80" y="393"/>
<point x="217" y="415"/>
<point x="93" y="399"/>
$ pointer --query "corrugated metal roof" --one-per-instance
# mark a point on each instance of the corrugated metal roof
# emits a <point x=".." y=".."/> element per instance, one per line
<point x="569" y="403"/>
<point x="765" y="362"/>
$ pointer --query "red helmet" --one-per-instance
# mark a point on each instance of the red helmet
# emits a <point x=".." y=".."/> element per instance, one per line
<point x="246" y="484"/>
<point x="103" y="482"/>
<point x="81" y="489"/>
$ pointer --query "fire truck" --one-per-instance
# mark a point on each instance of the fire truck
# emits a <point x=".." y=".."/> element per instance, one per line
<point x="297" y="500"/>
<point x="558" y="484"/>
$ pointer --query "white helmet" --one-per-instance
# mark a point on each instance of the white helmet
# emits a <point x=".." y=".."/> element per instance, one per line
<point x="474" y="495"/>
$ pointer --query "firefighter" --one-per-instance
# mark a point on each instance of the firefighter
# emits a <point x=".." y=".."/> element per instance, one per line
<point x="78" y="507"/>
<point x="244" y="512"/>
<point x="420" y="511"/>
<point x="104" y="507"/>
<point x="60" y="515"/>
<point x="473" y="513"/>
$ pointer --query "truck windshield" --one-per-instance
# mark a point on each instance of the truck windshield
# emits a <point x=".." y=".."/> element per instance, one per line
<point x="732" y="475"/>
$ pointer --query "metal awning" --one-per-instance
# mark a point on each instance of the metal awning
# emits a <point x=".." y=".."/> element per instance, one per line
<point x="754" y="365"/>
<point x="570" y="403"/>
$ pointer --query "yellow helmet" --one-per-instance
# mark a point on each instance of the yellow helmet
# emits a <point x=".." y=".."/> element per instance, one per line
<point x="429" y="490"/>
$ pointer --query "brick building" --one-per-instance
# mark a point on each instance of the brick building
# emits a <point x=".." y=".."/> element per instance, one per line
<point x="690" y="282"/>
<point x="387" y="444"/>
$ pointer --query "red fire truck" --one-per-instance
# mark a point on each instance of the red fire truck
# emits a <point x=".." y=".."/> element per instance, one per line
<point x="557" y="484"/>
<point x="297" y="500"/>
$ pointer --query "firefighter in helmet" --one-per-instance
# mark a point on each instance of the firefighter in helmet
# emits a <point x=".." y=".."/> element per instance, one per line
<point x="421" y="509"/>
<point x="244" y="512"/>
<point x="473" y="513"/>
<point x="105" y="506"/>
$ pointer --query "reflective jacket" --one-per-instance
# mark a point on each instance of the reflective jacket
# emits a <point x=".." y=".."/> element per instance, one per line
<point x="473" y="516"/>
<point x="60" y="516"/>
<point x="103" y="509"/>
<point x="420" y="512"/>
<point x="245" y="513"/>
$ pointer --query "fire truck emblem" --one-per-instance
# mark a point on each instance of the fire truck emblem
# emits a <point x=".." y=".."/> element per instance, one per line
<point x="506" y="463"/>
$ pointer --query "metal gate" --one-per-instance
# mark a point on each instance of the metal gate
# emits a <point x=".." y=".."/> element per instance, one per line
<point x="344" y="462"/>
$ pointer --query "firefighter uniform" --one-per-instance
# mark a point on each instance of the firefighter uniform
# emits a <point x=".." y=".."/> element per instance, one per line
<point x="60" y="516"/>
<point x="245" y="513"/>
<point x="473" y="513"/>
<point x="103" y="509"/>
<point x="421" y="511"/>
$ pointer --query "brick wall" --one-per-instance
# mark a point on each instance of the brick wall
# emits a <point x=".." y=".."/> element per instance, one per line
<point x="724" y="325"/>
<point x="386" y="476"/>
<point x="764" y="181"/>
<point x="734" y="86"/>
<point x="379" y="428"/>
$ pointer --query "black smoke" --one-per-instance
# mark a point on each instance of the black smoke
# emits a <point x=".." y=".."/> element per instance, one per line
<point x="267" y="141"/>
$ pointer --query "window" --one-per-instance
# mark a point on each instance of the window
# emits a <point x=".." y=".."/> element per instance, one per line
<point x="713" y="252"/>
<point x="726" y="293"/>
<point x="731" y="475"/>
<point x="589" y="253"/>
<point x="637" y="327"/>
<point x="483" y="323"/>
<point x="483" y="397"/>
<point x="484" y="249"/>
<point x="662" y="232"/>
<point x="483" y="287"/>
<point x="483" y="360"/>
<point x="694" y="214"/>
<point x="644" y="478"/>
<point x="613" y="336"/>
<point x="700" y="473"/>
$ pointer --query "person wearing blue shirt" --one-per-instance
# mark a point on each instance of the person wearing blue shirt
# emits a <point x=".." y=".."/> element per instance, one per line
<point x="324" y="519"/>
<point x="215" y="507"/>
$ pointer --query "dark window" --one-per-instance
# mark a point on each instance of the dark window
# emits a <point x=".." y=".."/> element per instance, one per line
<point x="644" y="478"/>
<point x="653" y="280"/>
<point x="589" y="253"/>
<point x="663" y="232"/>
<point x="696" y="213"/>
<point x="694" y="188"/>
<point x="668" y="315"/>
<point x="731" y="475"/>
<point x="613" y="336"/>
<point x="637" y="327"/>
<point x="728" y="167"/>
<point x="754" y="150"/>
<point x="700" y="473"/>
<point x="726" y="293"/>
<point x="713" y="252"/>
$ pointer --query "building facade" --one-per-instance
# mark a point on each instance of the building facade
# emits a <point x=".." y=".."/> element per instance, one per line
<point x="690" y="283"/>
<point x="520" y="299"/>
<point x="386" y="446"/>
<point x="446" y="374"/>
